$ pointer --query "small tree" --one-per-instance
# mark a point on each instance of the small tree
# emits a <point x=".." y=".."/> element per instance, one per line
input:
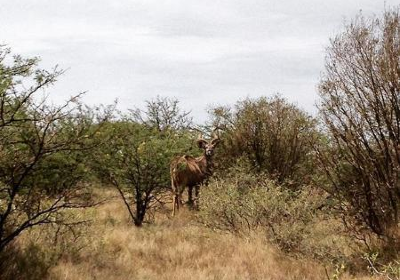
<point x="42" y="150"/>
<point x="360" y="107"/>
<point x="136" y="159"/>
<point x="162" y="114"/>
<point x="274" y="135"/>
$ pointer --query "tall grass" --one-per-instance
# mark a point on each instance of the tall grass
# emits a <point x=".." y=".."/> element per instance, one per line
<point x="180" y="248"/>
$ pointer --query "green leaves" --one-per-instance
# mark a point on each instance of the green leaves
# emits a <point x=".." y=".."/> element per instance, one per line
<point x="44" y="149"/>
<point x="275" y="136"/>
<point x="135" y="159"/>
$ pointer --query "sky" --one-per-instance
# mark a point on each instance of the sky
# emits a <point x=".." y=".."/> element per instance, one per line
<point x="205" y="53"/>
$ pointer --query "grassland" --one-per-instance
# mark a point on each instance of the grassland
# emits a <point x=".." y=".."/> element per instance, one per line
<point x="110" y="247"/>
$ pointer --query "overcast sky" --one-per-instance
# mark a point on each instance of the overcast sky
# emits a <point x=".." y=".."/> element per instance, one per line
<point x="204" y="52"/>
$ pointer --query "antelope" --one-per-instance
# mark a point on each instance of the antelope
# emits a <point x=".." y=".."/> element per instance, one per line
<point x="191" y="172"/>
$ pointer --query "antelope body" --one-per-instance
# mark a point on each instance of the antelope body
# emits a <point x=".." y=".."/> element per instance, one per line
<point x="191" y="172"/>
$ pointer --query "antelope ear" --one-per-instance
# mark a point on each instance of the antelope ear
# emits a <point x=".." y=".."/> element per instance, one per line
<point x="201" y="143"/>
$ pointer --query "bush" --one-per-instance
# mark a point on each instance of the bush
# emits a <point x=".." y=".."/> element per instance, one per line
<point x="361" y="110"/>
<point x="43" y="149"/>
<point x="275" y="137"/>
<point x="136" y="162"/>
<point x="38" y="250"/>
<point x="244" y="203"/>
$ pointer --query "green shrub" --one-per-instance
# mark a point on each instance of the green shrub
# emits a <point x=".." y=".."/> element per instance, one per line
<point x="244" y="203"/>
<point x="275" y="136"/>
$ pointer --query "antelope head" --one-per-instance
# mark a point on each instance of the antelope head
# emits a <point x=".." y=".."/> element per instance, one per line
<point x="208" y="146"/>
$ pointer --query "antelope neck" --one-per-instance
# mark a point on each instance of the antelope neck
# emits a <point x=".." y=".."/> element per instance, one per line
<point x="206" y="162"/>
<point x="209" y="164"/>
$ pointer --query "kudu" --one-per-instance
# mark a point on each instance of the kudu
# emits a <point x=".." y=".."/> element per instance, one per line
<point x="191" y="172"/>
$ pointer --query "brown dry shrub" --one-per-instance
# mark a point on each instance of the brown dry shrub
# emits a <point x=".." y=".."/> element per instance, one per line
<point x="40" y="249"/>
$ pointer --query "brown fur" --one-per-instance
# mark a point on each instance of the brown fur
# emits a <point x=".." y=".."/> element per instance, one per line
<point x="191" y="172"/>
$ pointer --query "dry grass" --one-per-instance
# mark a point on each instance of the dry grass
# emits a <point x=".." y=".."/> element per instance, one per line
<point x="112" y="248"/>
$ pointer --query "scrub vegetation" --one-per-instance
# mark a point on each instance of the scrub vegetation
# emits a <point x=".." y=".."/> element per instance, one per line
<point x="85" y="192"/>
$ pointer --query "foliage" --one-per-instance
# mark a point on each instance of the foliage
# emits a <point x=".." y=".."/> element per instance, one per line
<point x="275" y="136"/>
<point x="244" y="203"/>
<point x="163" y="114"/>
<point x="136" y="161"/>
<point x="137" y="156"/>
<point x="390" y="270"/>
<point x="42" y="150"/>
<point x="361" y="110"/>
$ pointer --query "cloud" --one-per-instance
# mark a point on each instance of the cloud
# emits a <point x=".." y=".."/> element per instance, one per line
<point x="202" y="52"/>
